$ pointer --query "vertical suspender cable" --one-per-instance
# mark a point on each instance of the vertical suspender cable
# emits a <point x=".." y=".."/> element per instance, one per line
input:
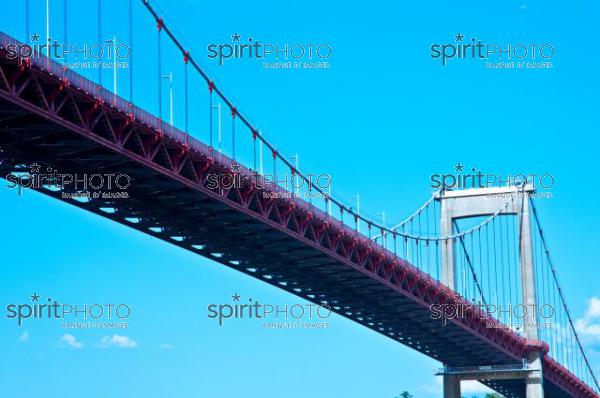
<point x="437" y="246"/>
<point x="210" y="117"/>
<point x="419" y="243"/>
<point x="516" y="256"/>
<point x="437" y="260"/>
<point x="508" y="262"/>
<point x="538" y="280"/>
<point x="571" y="349"/>
<point x="233" y="112"/>
<point x="495" y="263"/>
<point x="100" y="39"/>
<point x="480" y="263"/>
<point x="473" y="261"/>
<point x="159" y="27"/>
<point x="543" y="282"/>
<point x="254" y="134"/>
<point x="556" y="315"/>
<point x="185" y="76"/>
<point x="487" y="261"/>
<point x="131" y="51"/>
<point x="66" y="37"/>
<point x="274" y="164"/>
<point x="26" y="21"/>
<point x="502" y="265"/>
<point x="410" y="242"/>
<point x="427" y="247"/>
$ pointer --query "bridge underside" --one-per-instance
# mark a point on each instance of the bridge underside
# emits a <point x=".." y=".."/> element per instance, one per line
<point x="286" y="245"/>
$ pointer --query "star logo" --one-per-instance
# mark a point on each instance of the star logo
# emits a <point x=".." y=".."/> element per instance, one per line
<point x="459" y="167"/>
<point x="236" y="297"/>
<point x="458" y="37"/>
<point x="235" y="167"/>
<point x="35" y="297"/>
<point x="35" y="37"/>
<point x="235" y="37"/>
<point x="35" y="168"/>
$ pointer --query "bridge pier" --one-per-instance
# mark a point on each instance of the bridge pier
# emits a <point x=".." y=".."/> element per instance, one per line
<point x="534" y="386"/>
<point x="451" y="386"/>
<point x="528" y="371"/>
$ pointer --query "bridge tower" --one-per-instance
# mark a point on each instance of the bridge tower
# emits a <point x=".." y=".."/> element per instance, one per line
<point x="478" y="202"/>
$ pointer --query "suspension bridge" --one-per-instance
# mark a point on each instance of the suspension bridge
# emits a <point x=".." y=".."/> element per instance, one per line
<point x="467" y="279"/>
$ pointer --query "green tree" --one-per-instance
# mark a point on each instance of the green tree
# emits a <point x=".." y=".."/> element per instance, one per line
<point x="405" y="394"/>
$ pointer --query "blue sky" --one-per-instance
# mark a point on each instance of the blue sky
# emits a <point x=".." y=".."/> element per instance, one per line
<point x="381" y="120"/>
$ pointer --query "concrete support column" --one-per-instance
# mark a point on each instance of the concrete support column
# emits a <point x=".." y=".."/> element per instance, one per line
<point x="527" y="272"/>
<point x="534" y="380"/>
<point x="447" y="246"/>
<point x="451" y="386"/>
